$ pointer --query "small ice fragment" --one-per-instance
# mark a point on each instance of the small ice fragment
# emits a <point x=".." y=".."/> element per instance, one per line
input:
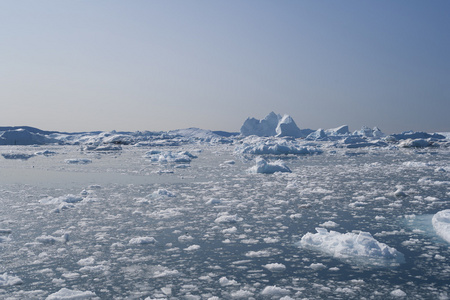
<point x="329" y="224"/>
<point x="274" y="291"/>
<point x="7" y="280"/>
<point x="398" y="293"/>
<point x="275" y="267"/>
<point x="142" y="240"/>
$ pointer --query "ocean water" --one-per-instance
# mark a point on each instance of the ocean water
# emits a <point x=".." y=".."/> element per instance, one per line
<point x="219" y="231"/>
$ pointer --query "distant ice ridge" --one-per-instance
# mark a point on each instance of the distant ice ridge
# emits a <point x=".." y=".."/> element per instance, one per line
<point x="441" y="223"/>
<point x="361" y="248"/>
<point x="169" y="156"/>
<point x="273" y="146"/>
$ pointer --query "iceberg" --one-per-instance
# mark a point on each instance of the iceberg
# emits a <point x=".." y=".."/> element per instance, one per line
<point x="273" y="125"/>
<point x="264" y="127"/>
<point x="441" y="224"/>
<point x="361" y="248"/>
<point x="341" y="130"/>
<point x="287" y="127"/>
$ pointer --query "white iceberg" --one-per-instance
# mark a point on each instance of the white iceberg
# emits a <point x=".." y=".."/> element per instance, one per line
<point x="264" y="127"/>
<point x="273" y="125"/>
<point x="441" y="224"/>
<point x="361" y="248"/>
<point x="287" y="127"/>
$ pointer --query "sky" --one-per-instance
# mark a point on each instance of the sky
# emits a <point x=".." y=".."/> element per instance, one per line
<point x="156" y="65"/>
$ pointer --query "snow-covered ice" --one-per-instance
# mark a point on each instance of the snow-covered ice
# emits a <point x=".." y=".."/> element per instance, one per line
<point x="361" y="247"/>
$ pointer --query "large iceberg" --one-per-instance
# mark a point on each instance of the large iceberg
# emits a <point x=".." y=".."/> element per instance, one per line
<point x="361" y="248"/>
<point x="273" y="125"/>
<point x="441" y="223"/>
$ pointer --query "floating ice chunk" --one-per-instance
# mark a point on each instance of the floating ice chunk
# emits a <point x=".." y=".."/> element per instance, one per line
<point x="79" y="161"/>
<point x="63" y="199"/>
<point x="227" y="282"/>
<point x="262" y="166"/>
<point x="362" y="247"/>
<point x="169" y="156"/>
<point x="242" y="294"/>
<point x="417" y="143"/>
<point x="142" y="240"/>
<point x="161" y="193"/>
<point x="192" y="248"/>
<point x="229" y="230"/>
<point x="7" y="280"/>
<point x="226" y="218"/>
<point x="48" y="239"/>
<point x="274" y="291"/>
<point x="273" y="146"/>
<point x="398" y="293"/>
<point x="21" y="156"/>
<point x="399" y="193"/>
<point x="329" y="224"/>
<point x="185" y="238"/>
<point x="67" y="294"/>
<point x="441" y="223"/>
<point x="45" y="153"/>
<point x="317" y="266"/>
<point x="213" y="201"/>
<point x="86" y="261"/>
<point x="275" y="267"/>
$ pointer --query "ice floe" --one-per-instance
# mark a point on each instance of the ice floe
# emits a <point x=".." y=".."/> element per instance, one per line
<point x="7" y="280"/>
<point x="265" y="167"/>
<point x="361" y="248"/>
<point x="441" y="223"/>
<point x="68" y="294"/>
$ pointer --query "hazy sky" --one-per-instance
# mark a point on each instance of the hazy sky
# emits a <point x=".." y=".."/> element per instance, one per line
<point x="159" y="65"/>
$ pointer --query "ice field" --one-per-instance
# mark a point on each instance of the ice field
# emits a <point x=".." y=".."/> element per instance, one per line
<point x="228" y="218"/>
<point x="122" y="224"/>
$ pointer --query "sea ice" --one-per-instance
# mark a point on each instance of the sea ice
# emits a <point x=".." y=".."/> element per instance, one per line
<point x="67" y="294"/>
<point x="142" y="240"/>
<point x="275" y="267"/>
<point x="274" y="291"/>
<point x="441" y="223"/>
<point x="262" y="166"/>
<point x="360" y="247"/>
<point x="6" y="280"/>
